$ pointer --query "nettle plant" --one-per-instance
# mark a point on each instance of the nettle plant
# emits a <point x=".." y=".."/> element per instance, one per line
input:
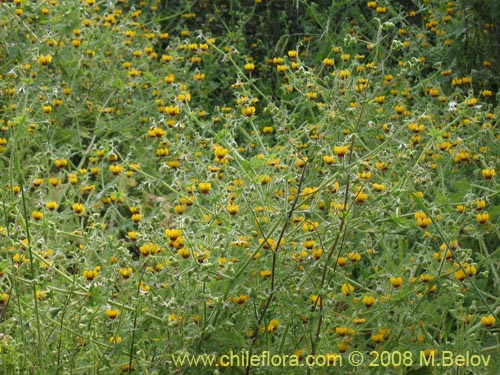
<point x="168" y="189"/>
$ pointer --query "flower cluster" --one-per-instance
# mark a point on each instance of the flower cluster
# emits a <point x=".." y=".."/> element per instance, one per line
<point x="176" y="180"/>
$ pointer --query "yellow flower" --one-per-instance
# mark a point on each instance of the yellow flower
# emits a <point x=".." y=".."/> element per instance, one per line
<point x="112" y="314"/>
<point x="115" y="340"/>
<point x="354" y="256"/>
<point x="136" y="217"/>
<point x="180" y="208"/>
<point x="317" y="253"/>
<point x="433" y="92"/>
<point x="422" y="220"/>
<point x="281" y="68"/>
<point x="37" y="215"/>
<point x="44" y="60"/>
<point x="346" y="289"/>
<point x="309" y="226"/>
<point x="125" y="272"/>
<point x="199" y="76"/>
<point x="345" y="57"/>
<point x="344" y="331"/>
<point x="220" y="152"/>
<point x="265" y="273"/>
<point x="311" y="95"/>
<point x="90" y="275"/>
<point x="161" y="152"/>
<point x="20" y="258"/>
<point x="482" y="218"/>
<point x="471" y="102"/>
<point x="488" y="321"/>
<point x="54" y="181"/>
<point x="416" y="128"/>
<point x="425" y="278"/>
<point x="248" y="111"/>
<point x="133" y="73"/>
<point x="95" y="171"/>
<point x="329" y="159"/>
<point x="265" y="180"/>
<point x="399" y="109"/>
<point x="249" y="67"/>
<point x="328" y="62"/>
<point x="459" y="275"/>
<point x="273" y="325"/>
<point x="343" y="347"/>
<point x="149" y="249"/>
<point x="184" y="252"/>
<point x="480" y="204"/>
<point x="368" y="301"/>
<point x="340" y="151"/>
<point x="309" y="244"/>
<point x="268" y="130"/>
<point x="78" y="208"/>
<point x="132" y="235"/>
<point x="232" y="208"/>
<point x="4" y="297"/>
<point x="72" y="178"/>
<point x="145" y="288"/>
<point x="173" y="234"/>
<point x="205" y="187"/>
<point x="178" y="243"/>
<point x="341" y="261"/>
<point x="116" y="169"/>
<point x="470" y="270"/>
<point x="240" y="300"/>
<point x="377" y="338"/>
<point x="316" y="300"/>
<point x="396" y="281"/>
<point x="172" y="110"/>
<point x="361" y="197"/>
<point x="488" y="173"/>
<point x="41" y="294"/>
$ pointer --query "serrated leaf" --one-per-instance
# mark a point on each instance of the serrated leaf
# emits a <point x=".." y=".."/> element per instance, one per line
<point x="441" y="199"/>
<point x="257" y="163"/>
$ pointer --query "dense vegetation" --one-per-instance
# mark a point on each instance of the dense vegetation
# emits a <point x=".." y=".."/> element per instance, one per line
<point x="308" y="178"/>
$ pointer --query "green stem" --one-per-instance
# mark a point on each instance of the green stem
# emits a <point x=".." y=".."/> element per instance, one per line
<point x="33" y="272"/>
<point x="274" y="260"/>
<point x="136" y="314"/>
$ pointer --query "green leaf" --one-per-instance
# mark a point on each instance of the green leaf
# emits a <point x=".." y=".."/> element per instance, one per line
<point x="420" y="203"/>
<point x="257" y="163"/>
<point x="441" y="199"/>
<point x="421" y="371"/>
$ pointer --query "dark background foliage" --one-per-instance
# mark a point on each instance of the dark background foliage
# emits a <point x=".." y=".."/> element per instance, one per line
<point x="274" y="26"/>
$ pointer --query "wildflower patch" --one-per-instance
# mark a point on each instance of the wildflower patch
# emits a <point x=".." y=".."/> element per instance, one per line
<point x="248" y="185"/>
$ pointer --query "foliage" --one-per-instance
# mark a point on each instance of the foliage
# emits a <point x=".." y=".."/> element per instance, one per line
<point x="304" y="178"/>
